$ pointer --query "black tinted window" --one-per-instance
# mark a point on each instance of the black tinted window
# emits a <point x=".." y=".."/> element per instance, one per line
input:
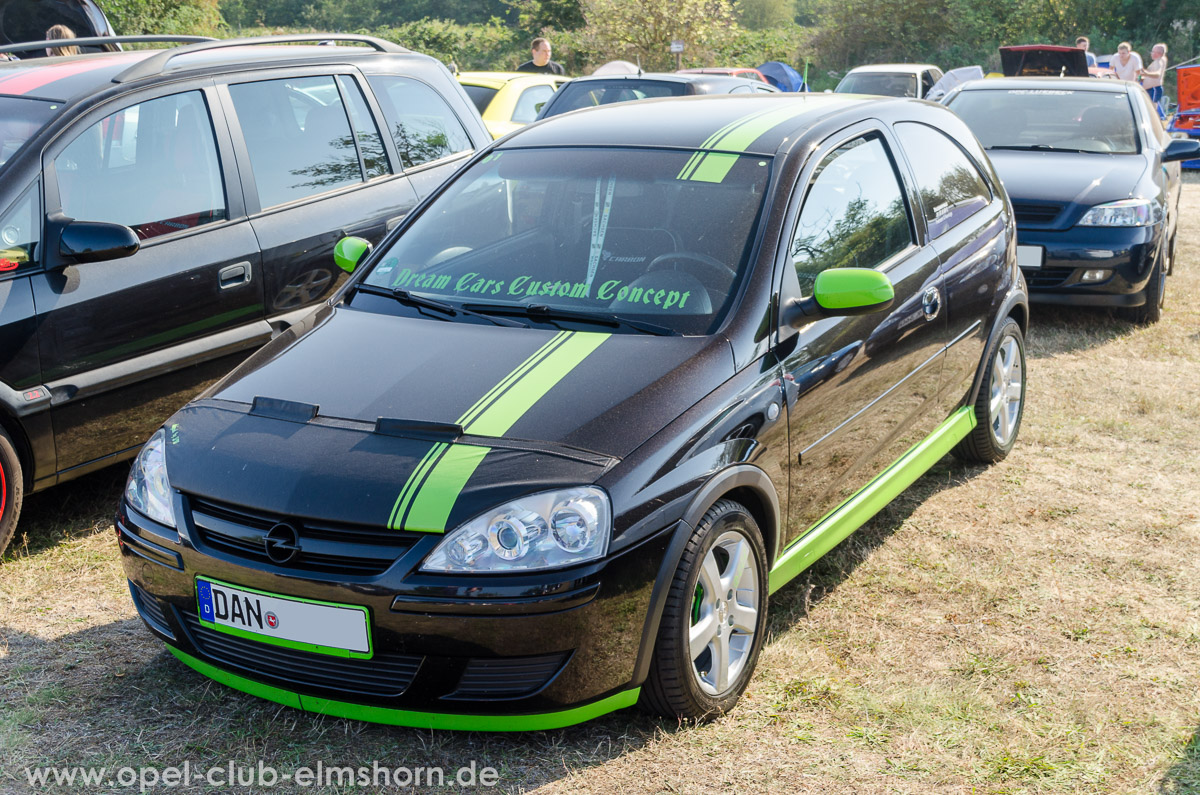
<point x="951" y="187"/>
<point x="854" y="214"/>
<point x="590" y="93"/>
<point x="298" y="137"/>
<point x="480" y="96"/>
<point x="370" y="144"/>
<point x="152" y="167"/>
<point x="422" y="124"/>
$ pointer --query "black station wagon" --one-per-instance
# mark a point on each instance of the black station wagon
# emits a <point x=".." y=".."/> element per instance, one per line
<point x="549" y="450"/>
<point x="216" y="177"/>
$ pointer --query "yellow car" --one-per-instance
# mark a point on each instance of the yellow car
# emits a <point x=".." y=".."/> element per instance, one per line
<point x="508" y="100"/>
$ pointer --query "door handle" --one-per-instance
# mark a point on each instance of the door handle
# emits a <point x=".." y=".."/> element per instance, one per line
<point x="931" y="302"/>
<point x="234" y="275"/>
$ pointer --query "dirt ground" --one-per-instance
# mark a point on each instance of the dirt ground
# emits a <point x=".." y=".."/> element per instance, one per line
<point x="1029" y="627"/>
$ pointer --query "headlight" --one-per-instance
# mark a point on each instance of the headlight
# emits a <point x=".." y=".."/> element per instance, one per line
<point x="1127" y="212"/>
<point x="542" y="531"/>
<point x="148" y="489"/>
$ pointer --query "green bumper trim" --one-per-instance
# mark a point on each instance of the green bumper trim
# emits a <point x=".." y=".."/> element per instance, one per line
<point x="403" y="717"/>
<point x="871" y="499"/>
<point x="431" y="490"/>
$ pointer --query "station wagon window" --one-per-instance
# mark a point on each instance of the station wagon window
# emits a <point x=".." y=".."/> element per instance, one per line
<point x="298" y="137"/>
<point x="854" y="214"/>
<point x="20" y="233"/>
<point x="531" y="102"/>
<point x="152" y="167"/>
<point x="370" y="143"/>
<point x="421" y="123"/>
<point x="950" y="185"/>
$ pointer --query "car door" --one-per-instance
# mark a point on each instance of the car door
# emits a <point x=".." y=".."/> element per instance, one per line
<point x="315" y="170"/>
<point x="860" y="388"/>
<point x="124" y="343"/>
<point x="965" y="222"/>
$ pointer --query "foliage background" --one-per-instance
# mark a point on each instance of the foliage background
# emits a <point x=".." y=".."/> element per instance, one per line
<point x="830" y="35"/>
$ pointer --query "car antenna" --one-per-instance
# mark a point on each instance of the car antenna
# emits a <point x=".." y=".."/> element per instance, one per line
<point x="639" y="61"/>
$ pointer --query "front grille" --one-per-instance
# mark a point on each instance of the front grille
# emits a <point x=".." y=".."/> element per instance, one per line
<point x="386" y="675"/>
<point x="1043" y="214"/>
<point x="1047" y="277"/>
<point x="150" y="610"/>
<point x="506" y="677"/>
<point x="324" y="547"/>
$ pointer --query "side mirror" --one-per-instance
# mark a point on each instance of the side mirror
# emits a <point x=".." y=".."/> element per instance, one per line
<point x="839" y="292"/>
<point x="348" y="252"/>
<point x="1181" y="149"/>
<point x="96" y="241"/>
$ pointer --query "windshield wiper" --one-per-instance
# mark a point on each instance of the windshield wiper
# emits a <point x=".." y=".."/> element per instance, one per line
<point x="551" y="314"/>
<point x="1043" y="148"/>
<point x="411" y="299"/>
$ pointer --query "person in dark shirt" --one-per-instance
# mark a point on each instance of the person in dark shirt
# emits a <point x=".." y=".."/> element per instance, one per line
<point x="541" y="62"/>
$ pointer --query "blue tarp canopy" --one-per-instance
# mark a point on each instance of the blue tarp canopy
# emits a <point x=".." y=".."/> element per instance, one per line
<point x="782" y="76"/>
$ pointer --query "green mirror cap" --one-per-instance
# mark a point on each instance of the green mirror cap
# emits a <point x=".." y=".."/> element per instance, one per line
<point x="852" y="288"/>
<point x="348" y="251"/>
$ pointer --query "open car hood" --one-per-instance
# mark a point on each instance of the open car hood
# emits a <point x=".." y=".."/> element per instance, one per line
<point x="1043" y="60"/>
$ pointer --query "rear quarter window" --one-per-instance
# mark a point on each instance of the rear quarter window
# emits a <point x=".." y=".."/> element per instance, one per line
<point x="422" y="125"/>
<point x="950" y="185"/>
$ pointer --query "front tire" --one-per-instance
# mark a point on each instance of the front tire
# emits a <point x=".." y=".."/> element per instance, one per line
<point x="1156" y="295"/>
<point x="11" y="490"/>
<point x="714" y="620"/>
<point x="1001" y="401"/>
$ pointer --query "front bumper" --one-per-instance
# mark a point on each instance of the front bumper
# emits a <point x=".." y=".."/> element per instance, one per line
<point x="1126" y="253"/>
<point x="498" y="653"/>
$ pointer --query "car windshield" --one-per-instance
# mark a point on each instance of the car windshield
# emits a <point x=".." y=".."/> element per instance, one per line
<point x="480" y="95"/>
<point x="888" y="84"/>
<point x="589" y="93"/>
<point x="652" y="236"/>
<point x="1048" y="119"/>
<point x="20" y="119"/>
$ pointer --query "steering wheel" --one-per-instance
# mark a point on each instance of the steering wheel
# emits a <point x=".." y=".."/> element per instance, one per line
<point x="713" y="265"/>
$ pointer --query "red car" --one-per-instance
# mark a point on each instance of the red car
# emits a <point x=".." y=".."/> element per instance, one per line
<point x="733" y="71"/>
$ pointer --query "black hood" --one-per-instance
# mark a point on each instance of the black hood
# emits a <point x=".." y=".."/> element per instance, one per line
<point x="1067" y="177"/>
<point x="422" y="424"/>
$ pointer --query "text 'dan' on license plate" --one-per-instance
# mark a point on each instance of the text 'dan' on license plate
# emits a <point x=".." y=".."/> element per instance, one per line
<point x="321" y="627"/>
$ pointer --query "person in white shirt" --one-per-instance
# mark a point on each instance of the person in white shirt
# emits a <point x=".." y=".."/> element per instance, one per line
<point x="1127" y="64"/>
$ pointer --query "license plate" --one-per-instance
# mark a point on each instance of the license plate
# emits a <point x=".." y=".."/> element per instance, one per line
<point x="1030" y="257"/>
<point x="304" y="624"/>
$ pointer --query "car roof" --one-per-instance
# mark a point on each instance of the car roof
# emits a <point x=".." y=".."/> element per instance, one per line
<point x="1061" y="83"/>
<point x="751" y="123"/>
<point x="63" y="78"/>
<point x="500" y="78"/>
<point x="906" y="68"/>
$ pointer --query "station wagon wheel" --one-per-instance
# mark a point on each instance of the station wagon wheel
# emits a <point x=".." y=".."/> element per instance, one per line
<point x="304" y="289"/>
<point x="1001" y="401"/>
<point x="11" y="489"/>
<point x="712" y="625"/>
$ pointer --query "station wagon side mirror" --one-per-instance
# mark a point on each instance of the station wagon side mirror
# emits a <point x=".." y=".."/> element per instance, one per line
<point x="349" y="251"/>
<point x="839" y="292"/>
<point x="1181" y="149"/>
<point x="96" y="241"/>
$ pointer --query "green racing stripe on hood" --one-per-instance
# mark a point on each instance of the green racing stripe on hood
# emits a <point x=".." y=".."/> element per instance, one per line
<point x="425" y="502"/>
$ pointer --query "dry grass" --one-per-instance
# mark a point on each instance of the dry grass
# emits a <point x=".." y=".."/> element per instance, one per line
<point x="1029" y="627"/>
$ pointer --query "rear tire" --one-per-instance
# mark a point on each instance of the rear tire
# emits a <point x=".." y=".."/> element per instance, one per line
<point x="1001" y="401"/>
<point x="12" y="488"/>
<point x="714" y="620"/>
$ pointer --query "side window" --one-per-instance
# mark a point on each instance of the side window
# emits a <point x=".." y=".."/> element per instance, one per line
<point x="152" y="167"/>
<point x="422" y="124"/>
<point x="854" y="215"/>
<point x="298" y="137"/>
<point x="370" y="143"/>
<point x="531" y="102"/>
<point x="20" y="233"/>
<point x="927" y="81"/>
<point x="950" y="185"/>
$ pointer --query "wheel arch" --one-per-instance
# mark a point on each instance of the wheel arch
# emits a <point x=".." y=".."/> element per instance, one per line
<point x="1016" y="306"/>
<point x="12" y="426"/>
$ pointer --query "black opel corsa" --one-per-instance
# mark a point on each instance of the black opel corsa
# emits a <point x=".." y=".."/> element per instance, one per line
<point x="548" y="452"/>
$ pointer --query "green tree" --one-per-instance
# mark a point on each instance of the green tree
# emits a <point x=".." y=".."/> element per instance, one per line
<point x="632" y="30"/>
<point x="764" y="14"/>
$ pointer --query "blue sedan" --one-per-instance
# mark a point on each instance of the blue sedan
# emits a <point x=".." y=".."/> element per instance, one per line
<point x="1094" y="181"/>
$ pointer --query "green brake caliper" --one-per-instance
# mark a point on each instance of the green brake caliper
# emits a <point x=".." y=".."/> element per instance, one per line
<point x="696" y="605"/>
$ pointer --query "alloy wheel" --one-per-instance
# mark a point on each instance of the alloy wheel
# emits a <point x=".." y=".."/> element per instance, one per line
<point x="725" y="614"/>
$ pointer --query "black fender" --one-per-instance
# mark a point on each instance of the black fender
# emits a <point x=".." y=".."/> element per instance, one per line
<point x="27" y="423"/>
<point x="742" y="479"/>
<point x="1015" y="305"/>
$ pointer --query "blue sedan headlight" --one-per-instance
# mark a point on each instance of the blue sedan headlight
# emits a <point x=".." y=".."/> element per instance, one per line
<point x="542" y="531"/>
<point x="1127" y="212"/>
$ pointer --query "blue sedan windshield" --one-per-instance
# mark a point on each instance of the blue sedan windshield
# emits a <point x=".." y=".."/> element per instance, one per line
<point x="1049" y="119"/>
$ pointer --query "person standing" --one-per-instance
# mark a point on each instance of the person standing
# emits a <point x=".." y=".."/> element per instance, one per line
<point x="1152" y="76"/>
<point x="1127" y="64"/>
<point x="1085" y="45"/>
<point x="541" y="63"/>
<point x="61" y="32"/>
